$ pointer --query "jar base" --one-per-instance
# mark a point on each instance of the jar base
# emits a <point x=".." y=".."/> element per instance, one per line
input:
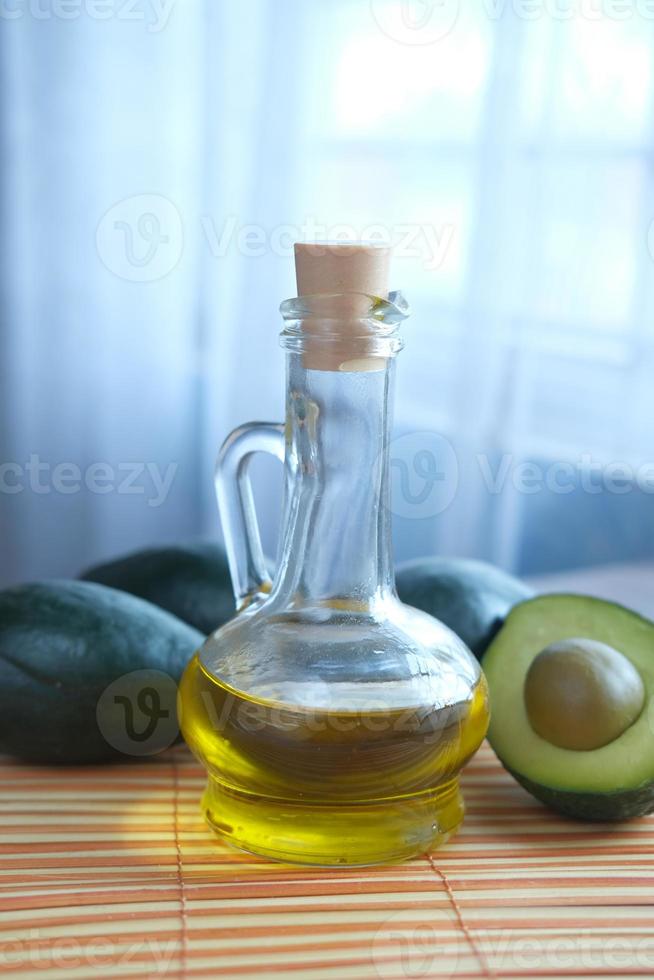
<point x="342" y="833"/>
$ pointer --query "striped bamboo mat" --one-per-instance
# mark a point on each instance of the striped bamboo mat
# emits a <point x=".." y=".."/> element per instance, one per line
<point x="111" y="872"/>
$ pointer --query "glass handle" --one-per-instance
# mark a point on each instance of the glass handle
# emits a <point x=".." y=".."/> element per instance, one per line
<point x="247" y="565"/>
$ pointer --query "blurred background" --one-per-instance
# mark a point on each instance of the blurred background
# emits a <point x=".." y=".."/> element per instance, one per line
<point x="160" y="157"/>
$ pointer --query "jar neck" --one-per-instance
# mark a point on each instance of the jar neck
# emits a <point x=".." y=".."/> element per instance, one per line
<point x="342" y="331"/>
<point x="336" y="541"/>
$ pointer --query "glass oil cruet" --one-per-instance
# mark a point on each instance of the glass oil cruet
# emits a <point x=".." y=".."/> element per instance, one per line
<point x="332" y="719"/>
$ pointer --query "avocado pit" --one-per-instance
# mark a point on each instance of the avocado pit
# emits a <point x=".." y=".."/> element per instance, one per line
<point x="581" y="694"/>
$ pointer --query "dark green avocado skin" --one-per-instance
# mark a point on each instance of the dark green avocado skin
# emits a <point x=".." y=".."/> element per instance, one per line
<point x="61" y="644"/>
<point x="472" y="597"/>
<point x="191" y="581"/>
<point x="599" y="807"/>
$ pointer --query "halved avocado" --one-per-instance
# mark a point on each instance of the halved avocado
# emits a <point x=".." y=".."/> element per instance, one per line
<point x="614" y="781"/>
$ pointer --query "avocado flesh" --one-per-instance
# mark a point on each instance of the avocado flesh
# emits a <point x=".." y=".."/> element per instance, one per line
<point x="613" y="782"/>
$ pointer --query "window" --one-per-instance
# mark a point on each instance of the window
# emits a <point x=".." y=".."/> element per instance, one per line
<point x="515" y="150"/>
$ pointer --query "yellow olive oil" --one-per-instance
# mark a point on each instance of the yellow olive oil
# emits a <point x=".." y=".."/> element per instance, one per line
<point x="366" y="778"/>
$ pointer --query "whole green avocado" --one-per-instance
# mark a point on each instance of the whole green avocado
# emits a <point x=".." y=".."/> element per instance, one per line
<point x="191" y="581"/>
<point x="472" y="597"/>
<point x="89" y="674"/>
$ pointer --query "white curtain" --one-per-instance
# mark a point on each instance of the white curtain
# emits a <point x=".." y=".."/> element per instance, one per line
<point x="157" y="166"/>
<point x="125" y="139"/>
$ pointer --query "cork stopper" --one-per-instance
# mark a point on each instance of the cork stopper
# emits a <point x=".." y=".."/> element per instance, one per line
<point x="345" y="274"/>
<point x="341" y="267"/>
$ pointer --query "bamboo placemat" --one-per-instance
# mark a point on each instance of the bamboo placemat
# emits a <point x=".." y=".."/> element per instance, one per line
<point x="111" y="872"/>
